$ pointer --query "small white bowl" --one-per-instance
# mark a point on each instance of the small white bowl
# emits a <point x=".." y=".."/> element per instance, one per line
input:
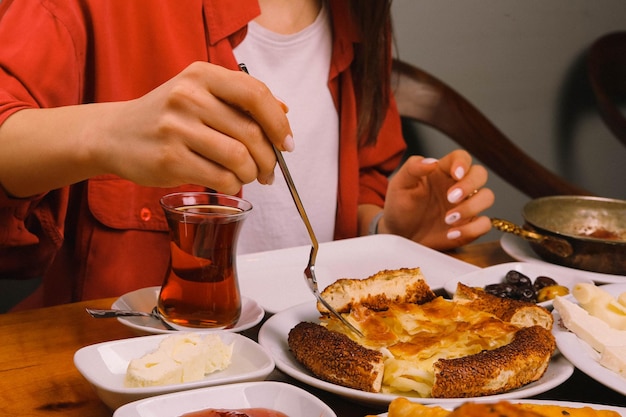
<point x="104" y="366"/>
<point x="278" y="396"/>
<point x="495" y="275"/>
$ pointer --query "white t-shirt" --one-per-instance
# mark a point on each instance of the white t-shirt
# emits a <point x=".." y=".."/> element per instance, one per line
<point x="295" y="68"/>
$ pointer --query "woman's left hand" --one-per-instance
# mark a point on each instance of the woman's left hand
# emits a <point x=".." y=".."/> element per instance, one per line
<point x="438" y="202"/>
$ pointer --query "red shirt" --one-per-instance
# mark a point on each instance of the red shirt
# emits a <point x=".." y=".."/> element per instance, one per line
<point x="107" y="236"/>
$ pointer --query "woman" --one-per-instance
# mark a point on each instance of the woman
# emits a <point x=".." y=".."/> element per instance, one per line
<point x="107" y="106"/>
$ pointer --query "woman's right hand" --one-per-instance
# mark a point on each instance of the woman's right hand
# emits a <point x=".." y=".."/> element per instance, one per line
<point x="207" y="126"/>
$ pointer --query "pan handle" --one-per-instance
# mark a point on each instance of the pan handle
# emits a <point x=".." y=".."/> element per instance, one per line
<point x="559" y="247"/>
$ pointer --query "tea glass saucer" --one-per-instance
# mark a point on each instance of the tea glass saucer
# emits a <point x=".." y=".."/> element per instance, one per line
<point x="145" y="299"/>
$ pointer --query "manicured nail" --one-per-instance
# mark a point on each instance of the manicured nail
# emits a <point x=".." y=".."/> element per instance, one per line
<point x="455" y="195"/>
<point x="454" y="234"/>
<point x="459" y="173"/>
<point x="289" y="144"/>
<point x="452" y="218"/>
<point x="428" y="161"/>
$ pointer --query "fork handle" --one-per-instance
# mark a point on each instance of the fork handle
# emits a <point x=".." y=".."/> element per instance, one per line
<point x="294" y="194"/>
<point x="105" y="314"/>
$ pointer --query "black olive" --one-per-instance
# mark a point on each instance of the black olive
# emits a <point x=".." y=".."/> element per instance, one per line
<point x="516" y="278"/>
<point x="519" y="286"/>
<point x="528" y="294"/>
<point x="543" y="281"/>
<point x="500" y="290"/>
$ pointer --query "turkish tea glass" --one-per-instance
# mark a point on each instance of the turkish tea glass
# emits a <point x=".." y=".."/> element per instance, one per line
<point x="201" y="289"/>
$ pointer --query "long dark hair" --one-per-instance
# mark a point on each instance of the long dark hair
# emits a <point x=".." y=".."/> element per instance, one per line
<point x="372" y="66"/>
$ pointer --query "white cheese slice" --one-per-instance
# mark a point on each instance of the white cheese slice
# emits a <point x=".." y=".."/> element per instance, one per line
<point x="600" y="303"/>
<point x="614" y="358"/>
<point x="591" y="329"/>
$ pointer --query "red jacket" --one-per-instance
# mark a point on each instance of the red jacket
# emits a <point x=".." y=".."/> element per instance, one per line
<point x="107" y="236"/>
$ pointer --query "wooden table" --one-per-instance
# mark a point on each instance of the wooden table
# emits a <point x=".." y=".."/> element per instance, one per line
<point x="38" y="377"/>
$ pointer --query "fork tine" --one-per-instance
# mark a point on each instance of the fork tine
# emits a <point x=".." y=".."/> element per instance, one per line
<point x="309" y="276"/>
<point x="329" y="307"/>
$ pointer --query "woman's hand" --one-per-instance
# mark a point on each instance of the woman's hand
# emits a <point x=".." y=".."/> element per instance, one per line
<point x="437" y="203"/>
<point x="208" y="126"/>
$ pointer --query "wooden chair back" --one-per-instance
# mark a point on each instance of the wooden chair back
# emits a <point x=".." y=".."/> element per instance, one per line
<point x="424" y="98"/>
<point x="606" y="68"/>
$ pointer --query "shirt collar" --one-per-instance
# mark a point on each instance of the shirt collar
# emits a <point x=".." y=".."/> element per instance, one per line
<point x="345" y="35"/>
<point x="224" y="18"/>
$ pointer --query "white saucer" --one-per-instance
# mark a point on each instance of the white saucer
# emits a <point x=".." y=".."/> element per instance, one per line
<point x="145" y="299"/>
<point x="519" y="249"/>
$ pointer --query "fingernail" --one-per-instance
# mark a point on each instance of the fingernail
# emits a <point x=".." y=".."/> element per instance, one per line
<point x="455" y="195"/>
<point x="269" y="180"/>
<point x="284" y="105"/>
<point x="452" y="218"/>
<point x="459" y="173"/>
<point x="454" y="234"/>
<point x="429" y="161"/>
<point x="289" y="144"/>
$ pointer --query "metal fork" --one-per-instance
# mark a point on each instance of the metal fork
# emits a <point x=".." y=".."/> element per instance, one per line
<point x="309" y="271"/>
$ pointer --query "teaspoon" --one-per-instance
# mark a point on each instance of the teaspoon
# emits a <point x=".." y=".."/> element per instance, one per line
<point x="109" y="313"/>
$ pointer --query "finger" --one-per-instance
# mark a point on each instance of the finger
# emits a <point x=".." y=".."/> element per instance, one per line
<point x="469" y="231"/>
<point x="471" y="207"/>
<point x="227" y="152"/>
<point x="254" y="98"/>
<point x="233" y="139"/>
<point x="413" y="170"/>
<point x="184" y="167"/>
<point x="457" y="163"/>
<point x="475" y="179"/>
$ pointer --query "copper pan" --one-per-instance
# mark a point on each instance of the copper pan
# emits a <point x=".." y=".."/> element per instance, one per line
<point x="595" y="228"/>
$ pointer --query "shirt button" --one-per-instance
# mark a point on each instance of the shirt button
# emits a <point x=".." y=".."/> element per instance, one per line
<point x="145" y="214"/>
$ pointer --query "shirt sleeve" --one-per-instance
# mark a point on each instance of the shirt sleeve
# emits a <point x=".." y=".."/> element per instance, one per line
<point x="40" y="66"/>
<point x="41" y="58"/>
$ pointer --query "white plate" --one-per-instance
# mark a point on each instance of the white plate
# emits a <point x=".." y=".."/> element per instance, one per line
<point x="620" y="410"/>
<point x="583" y="356"/>
<point x="519" y="249"/>
<point x="145" y="299"/>
<point x="273" y="336"/>
<point x="277" y="396"/>
<point x="104" y="366"/>
<point x="495" y="274"/>
<point x="275" y="279"/>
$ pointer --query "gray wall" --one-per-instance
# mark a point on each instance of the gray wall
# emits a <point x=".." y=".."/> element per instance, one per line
<point x="520" y="62"/>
